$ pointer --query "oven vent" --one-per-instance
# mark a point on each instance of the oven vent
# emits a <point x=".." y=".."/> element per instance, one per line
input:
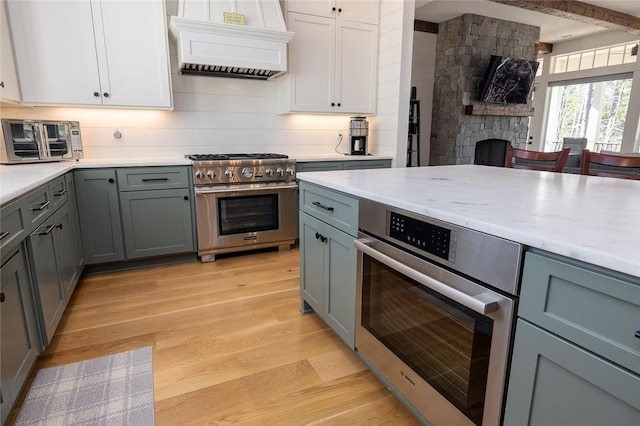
<point x="240" y="39"/>
<point x="231" y="72"/>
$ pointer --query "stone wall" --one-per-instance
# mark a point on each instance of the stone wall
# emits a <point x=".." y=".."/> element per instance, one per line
<point x="463" y="50"/>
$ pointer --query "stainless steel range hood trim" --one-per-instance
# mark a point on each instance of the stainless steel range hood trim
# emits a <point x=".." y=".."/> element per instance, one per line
<point x="206" y="46"/>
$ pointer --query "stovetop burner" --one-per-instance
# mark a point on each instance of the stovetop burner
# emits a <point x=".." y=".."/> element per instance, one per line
<point x="217" y="157"/>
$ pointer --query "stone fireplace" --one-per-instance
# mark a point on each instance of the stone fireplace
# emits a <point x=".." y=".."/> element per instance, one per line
<point x="463" y="50"/>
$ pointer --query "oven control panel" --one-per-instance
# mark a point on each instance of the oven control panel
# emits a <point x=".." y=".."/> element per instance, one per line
<point x="422" y="235"/>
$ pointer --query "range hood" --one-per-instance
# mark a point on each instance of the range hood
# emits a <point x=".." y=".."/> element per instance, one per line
<point x="254" y="46"/>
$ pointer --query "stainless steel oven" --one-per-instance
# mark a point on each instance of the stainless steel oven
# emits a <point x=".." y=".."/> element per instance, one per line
<point x="435" y="310"/>
<point x="244" y="202"/>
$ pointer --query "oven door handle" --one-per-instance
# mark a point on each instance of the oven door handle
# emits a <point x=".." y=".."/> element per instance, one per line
<point x="481" y="303"/>
<point x="203" y="191"/>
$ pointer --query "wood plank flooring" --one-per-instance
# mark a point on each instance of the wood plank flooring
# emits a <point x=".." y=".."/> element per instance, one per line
<point x="229" y="344"/>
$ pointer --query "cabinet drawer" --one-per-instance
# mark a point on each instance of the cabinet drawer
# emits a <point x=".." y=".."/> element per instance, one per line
<point x="58" y="190"/>
<point x="36" y="207"/>
<point x="367" y="164"/>
<point x="336" y="209"/>
<point x="319" y="166"/>
<point x="136" y="179"/>
<point x="590" y="306"/>
<point x="12" y="226"/>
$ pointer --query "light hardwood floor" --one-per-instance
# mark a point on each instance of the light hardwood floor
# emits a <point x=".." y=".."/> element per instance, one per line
<point x="229" y="344"/>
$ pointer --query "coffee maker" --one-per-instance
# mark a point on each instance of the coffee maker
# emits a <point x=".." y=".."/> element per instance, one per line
<point x="358" y="133"/>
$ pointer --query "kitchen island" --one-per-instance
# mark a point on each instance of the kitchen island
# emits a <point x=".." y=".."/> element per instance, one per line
<point x="574" y="359"/>
<point x="588" y="218"/>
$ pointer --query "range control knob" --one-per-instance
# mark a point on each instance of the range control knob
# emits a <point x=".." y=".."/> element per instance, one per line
<point x="247" y="172"/>
<point x="228" y="173"/>
<point x="290" y="171"/>
<point x="211" y="174"/>
<point x="279" y="172"/>
<point x="269" y="172"/>
<point x="199" y="174"/>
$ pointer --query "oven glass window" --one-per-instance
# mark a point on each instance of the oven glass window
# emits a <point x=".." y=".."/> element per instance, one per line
<point x="442" y="341"/>
<point x="248" y="214"/>
<point x="23" y="139"/>
<point x="57" y="139"/>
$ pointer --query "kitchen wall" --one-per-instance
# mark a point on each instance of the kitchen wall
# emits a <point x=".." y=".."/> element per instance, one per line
<point x="232" y="115"/>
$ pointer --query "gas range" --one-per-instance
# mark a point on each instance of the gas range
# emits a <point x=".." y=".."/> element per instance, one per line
<point x="252" y="168"/>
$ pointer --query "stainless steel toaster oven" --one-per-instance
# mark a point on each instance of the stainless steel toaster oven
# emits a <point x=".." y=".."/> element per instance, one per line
<point x="31" y="141"/>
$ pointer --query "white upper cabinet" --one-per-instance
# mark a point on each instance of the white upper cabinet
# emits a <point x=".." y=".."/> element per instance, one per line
<point x="351" y="10"/>
<point x="332" y="63"/>
<point x="92" y="52"/>
<point x="9" y="89"/>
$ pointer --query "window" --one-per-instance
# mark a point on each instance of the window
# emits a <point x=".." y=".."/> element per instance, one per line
<point x="595" y="58"/>
<point x="594" y="109"/>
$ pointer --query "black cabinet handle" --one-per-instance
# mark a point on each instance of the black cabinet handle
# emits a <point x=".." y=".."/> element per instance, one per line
<point x="59" y="226"/>
<point x="111" y="180"/>
<point x="1" y="297"/>
<point x="333" y="104"/>
<point x="96" y="94"/>
<point x="42" y="206"/>
<point x="61" y="193"/>
<point x="338" y="103"/>
<point x="105" y="94"/>
<point x="186" y="197"/>
<point x="155" y="179"/>
<point x="638" y="334"/>
<point x="340" y="10"/>
<point x="333" y="9"/>
<point x="48" y="231"/>
<point x="4" y="235"/>
<point x="2" y="84"/>
<point x="321" y="237"/>
<point x="322" y="206"/>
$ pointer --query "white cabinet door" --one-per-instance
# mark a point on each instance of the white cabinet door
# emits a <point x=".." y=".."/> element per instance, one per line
<point x="311" y="63"/>
<point x="9" y="89"/>
<point x="359" y="11"/>
<point x="92" y="52"/>
<point x="132" y="52"/>
<point x="356" y="75"/>
<point x="366" y="11"/>
<point x="55" y="52"/>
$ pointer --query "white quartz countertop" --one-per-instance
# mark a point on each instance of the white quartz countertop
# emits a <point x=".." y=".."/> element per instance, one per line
<point x="588" y="218"/>
<point x="18" y="179"/>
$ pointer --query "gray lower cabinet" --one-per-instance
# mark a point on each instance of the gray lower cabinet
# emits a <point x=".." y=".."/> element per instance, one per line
<point x="328" y="258"/>
<point x="54" y="268"/>
<point x="321" y="166"/>
<point x="134" y="213"/>
<point x="157" y="222"/>
<point x="576" y="357"/>
<point x="20" y="344"/>
<point x="99" y="210"/>
<point x="75" y="221"/>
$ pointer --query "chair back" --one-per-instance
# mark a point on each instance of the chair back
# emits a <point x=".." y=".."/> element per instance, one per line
<point x="537" y="160"/>
<point x="610" y="165"/>
<point x="576" y="144"/>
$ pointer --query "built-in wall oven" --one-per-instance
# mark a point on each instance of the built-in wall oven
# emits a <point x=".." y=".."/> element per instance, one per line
<point x="436" y="306"/>
<point x="244" y="202"/>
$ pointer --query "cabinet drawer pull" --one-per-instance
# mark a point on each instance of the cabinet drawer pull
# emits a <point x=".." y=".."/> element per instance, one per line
<point x="48" y="231"/>
<point x="638" y="334"/>
<point x="4" y="235"/>
<point x="42" y="206"/>
<point x="322" y="206"/>
<point x="61" y="193"/>
<point x="321" y="237"/>
<point x="155" y="179"/>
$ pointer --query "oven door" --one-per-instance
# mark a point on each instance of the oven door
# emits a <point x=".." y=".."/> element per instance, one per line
<point x="247" y="215"/>
<point x="440" y="340"/>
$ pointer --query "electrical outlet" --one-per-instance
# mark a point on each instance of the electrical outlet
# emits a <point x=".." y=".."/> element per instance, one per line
<point x="117" y="132"/>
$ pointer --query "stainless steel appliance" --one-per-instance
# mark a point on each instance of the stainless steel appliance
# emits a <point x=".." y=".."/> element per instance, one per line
<point x="31" y="141"/>
<point x="358" y="133"/>
<point x="244" y="202"/>
<point x="435" y="309"/>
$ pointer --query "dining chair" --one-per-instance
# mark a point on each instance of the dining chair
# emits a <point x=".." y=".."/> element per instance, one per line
<point x="610" y="165"/>
<point x="536" y="160"/>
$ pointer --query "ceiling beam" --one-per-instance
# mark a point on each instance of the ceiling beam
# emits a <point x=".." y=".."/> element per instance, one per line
<point x="426" y="27"/>
<point x="545" y="47"/>
<point x="581" y="12"/>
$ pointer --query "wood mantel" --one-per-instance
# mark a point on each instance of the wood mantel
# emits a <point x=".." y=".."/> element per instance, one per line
<point x="500" y="110"/>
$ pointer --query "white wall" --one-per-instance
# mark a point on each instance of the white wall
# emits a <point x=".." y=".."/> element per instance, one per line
<point x="422" y="77"/>
<point x="394" y="79"/>
<point x="217" y="115"/>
